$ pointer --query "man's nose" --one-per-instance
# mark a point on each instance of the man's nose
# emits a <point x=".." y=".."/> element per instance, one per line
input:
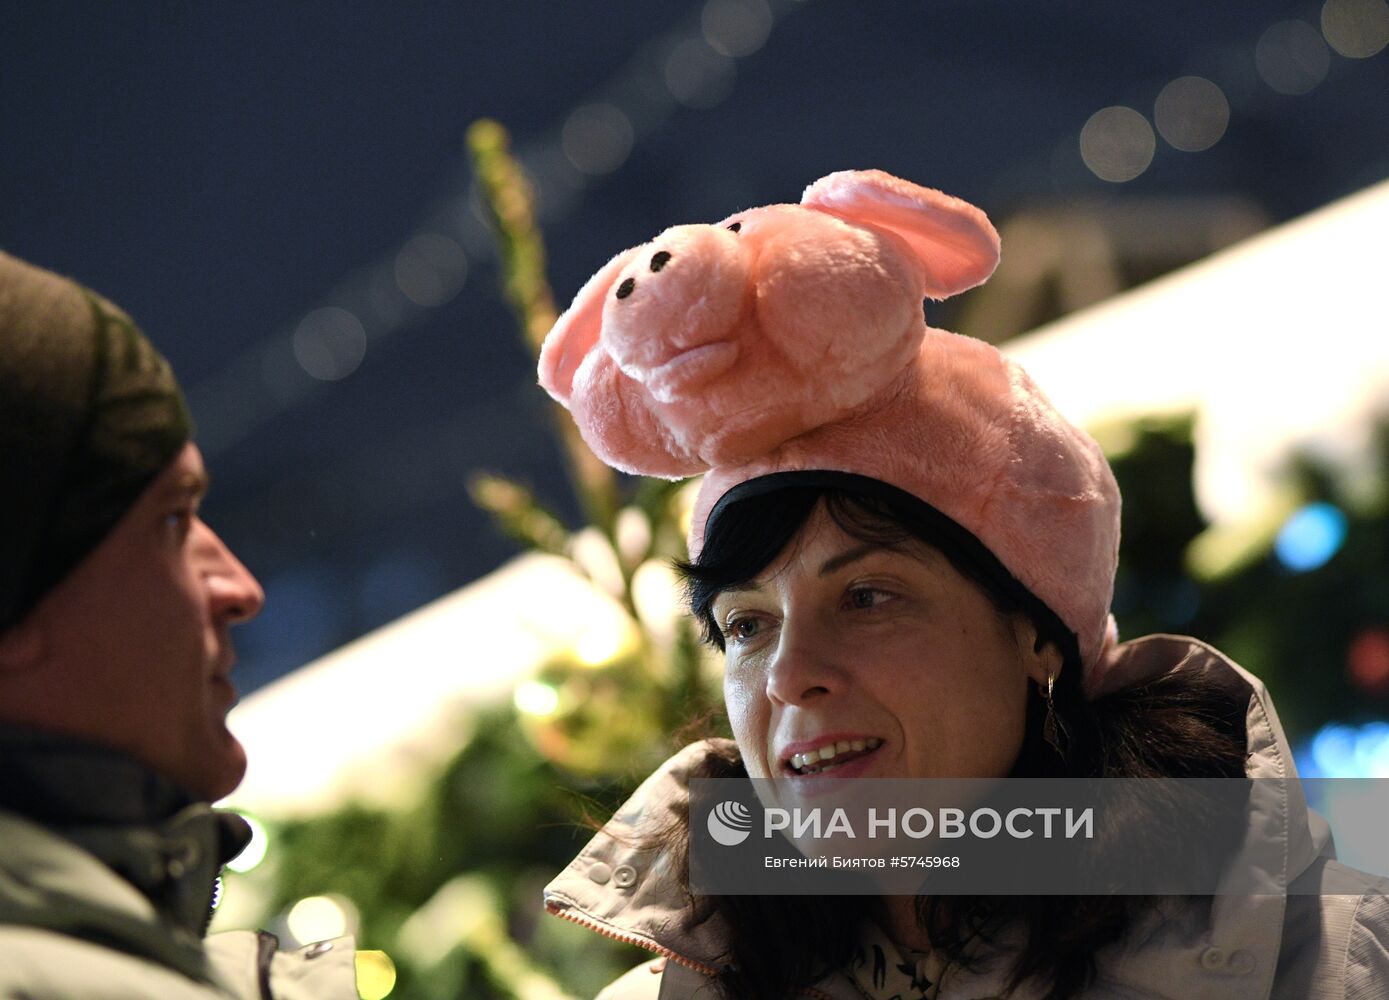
<point x="235" y="594"/>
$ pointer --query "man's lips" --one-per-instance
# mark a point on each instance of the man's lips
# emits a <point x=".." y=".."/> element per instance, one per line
<point x="224" y="692"/>
<point x="221" y="671"/>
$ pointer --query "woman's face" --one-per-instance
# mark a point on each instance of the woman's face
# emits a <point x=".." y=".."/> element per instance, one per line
<point x="851" y="659"/>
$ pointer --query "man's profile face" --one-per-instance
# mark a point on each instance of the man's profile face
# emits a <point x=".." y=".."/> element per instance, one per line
<point x="136" y="637"/>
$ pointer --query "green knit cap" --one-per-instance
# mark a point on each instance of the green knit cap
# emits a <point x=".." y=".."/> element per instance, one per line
<point x="90" y="414"/>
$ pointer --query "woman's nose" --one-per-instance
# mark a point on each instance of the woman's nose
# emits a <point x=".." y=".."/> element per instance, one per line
<point x="803" y="667"/>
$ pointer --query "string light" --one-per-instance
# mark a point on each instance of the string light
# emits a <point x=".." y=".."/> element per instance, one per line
<point x="1191" y="113"/>
<point x="1292" y="58"/>
<point x="1117" y="144"/>
<point x="698" y="71"/>
<point x="736" y="28"/>
<point x="430" y="269"/>
<point x="329" y="343"/>
<point x="1356" y="29"/>
<point x="597" y="138"/>
<point x="697" y="76"/>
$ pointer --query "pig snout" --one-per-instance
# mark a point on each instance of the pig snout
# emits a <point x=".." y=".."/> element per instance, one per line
<point x="670" y="318"/>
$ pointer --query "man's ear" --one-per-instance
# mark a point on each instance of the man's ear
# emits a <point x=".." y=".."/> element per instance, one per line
<point x="22" y="645"/>
<point x="1041" y="657"/>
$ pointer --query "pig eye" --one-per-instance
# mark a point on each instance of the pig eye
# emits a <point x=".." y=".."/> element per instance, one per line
<point x="659" y="259"/>
<point x="625" y="289"/>
<point x="733" y="227"/>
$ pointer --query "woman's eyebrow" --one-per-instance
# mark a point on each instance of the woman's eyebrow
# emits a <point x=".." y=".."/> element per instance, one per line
<point x="745" y="587"/>
<point x="854" y="555"/>
<point x="826" y="568"/>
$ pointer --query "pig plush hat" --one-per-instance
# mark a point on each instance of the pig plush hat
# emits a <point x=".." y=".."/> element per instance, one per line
<point x="790" y="338"/>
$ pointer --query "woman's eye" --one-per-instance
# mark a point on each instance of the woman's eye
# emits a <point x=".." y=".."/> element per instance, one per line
<point x="742" y="629"/>
<point x="867" y="597"/>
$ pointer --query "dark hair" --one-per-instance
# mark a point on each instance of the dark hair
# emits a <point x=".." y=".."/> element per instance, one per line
<point x="1181" y="724"/>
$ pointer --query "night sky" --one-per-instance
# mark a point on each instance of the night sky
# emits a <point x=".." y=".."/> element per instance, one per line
<point x="223" y="171"/>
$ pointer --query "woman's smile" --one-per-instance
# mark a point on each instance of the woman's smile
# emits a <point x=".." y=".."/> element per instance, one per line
<point x="834" y="753"/>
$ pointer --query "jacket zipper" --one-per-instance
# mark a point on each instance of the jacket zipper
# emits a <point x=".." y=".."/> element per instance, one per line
<point x="670" y="956"/>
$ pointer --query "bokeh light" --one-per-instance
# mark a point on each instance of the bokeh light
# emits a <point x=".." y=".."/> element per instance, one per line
<point x="1117" y="144"/>
<point x="1372" y="750"/>
<point x="633" y="532"/>
<point x="594" y="555"/>
<point x="376" y="975"/>
<point x="1356" y="29"/>
<point x="254" y="852"/>
<point x="1310" y="537"/>
<point x="658" y="595"/>
<point x="697" y="76"/>
<point x="600" y="643"/>
<point x="1333" y="751"/>
<point x="1367" y="661"/>
<point x="431" y="269"/>
<point x="329" y="343"/>
<point x="597" y="138"/>
<point x="1338" y="750"/>
<point x="536" y="698"/>
<point x="318" y="918"/>
<point x="736" y="27"/>
<point x="1292" y="58"/>
<point x="1191" y="113"/>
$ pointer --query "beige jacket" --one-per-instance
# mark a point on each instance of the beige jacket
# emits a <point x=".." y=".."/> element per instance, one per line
<point x="1273" y="947"/>
<point x="72" y="929"/>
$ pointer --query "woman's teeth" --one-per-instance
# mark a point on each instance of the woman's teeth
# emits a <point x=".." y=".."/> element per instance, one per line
<point x="817" y="760"/>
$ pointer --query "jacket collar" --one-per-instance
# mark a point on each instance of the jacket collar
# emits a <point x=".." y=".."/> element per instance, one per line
<point x="62" y="781"/>
<point x="115" y="817"/>
<point x="623" y="891"/>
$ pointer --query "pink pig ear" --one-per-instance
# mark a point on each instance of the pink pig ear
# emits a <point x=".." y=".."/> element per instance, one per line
<point x="955" y="242"/>
<point x="576" y="331"/>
